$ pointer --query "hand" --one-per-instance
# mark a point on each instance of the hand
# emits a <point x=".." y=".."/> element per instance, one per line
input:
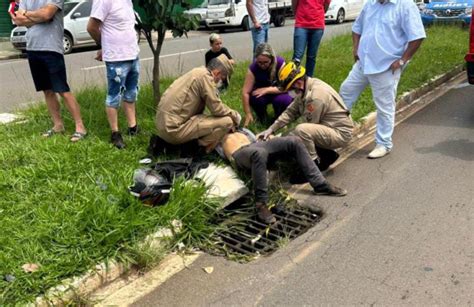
<point x="354" y="54"/>
<point x="395" y="65"/>
<point x="238" y="119"/>
<point x="259" y="92"/>
<point x="98" y="56"/>
<point x="264" y="135"/>
<point x="257" y="25"/>
<point x="248" y="119"/>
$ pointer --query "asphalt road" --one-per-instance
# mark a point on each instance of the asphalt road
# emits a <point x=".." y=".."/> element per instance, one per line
<point x="177" y="57"/>
<point x="403" y="235"/>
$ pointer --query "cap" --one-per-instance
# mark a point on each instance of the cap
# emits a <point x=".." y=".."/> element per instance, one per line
<point x="227" y="64"/>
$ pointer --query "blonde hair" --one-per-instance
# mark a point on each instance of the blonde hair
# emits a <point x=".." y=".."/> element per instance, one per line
<point x="213" y="37"/>
<point x="267" y="50"/>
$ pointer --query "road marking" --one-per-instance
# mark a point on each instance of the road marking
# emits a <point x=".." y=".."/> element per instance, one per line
<point x="148" y="59"/>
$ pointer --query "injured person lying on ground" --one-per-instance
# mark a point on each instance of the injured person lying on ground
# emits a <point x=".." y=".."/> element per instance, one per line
<point x="242" y="149"/>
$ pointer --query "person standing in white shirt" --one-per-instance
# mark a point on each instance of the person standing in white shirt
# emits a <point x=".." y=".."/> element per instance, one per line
<point x="385" y="37"/>
<point x="112" y="26"/>
<point x="258" y="12"/>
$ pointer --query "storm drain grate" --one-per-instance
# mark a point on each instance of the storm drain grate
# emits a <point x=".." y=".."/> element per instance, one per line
<point x="242" y="234"/>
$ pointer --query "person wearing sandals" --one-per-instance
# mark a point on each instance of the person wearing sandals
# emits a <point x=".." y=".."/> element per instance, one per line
<point x="45" y="51"/>
<point x="260" y="86"/>
<point x="112" y="26"/>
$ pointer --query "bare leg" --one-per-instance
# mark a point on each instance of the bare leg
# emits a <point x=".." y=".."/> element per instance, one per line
<point x="129" y="108"/>
<point x="54" y="110"/>
<point x="75" y="110"/>
<point x="112" y="117"/>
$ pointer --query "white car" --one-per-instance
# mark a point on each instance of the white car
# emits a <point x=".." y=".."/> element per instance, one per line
<point x="341" y="10"/>
<point x="199" y="12"/>
<point x="76" y="17"/>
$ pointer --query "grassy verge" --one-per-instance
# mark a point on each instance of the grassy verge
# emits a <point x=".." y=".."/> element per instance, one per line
<point x="66" y="206"/>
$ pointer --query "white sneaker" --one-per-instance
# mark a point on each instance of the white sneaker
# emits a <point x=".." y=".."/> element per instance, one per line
<point x="378" y="152"/>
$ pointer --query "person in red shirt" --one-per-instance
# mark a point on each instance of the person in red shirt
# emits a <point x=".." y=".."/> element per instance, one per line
<point x="13" y="7"/>
<point x="309" y="29"/>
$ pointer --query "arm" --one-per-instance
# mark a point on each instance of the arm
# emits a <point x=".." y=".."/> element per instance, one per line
<point x="43" y="14"/>
<point x="249" y="5"/>
<point x="93" y="27"/>
<point x="294" y="6"/>
<point x="355" y="45"/>
<point x="214" y="103"/>
<point x="290" y="114"/>
<point x="246" y="90"/>
<point x="408" y="54"/>
<point x="326" y="5"/>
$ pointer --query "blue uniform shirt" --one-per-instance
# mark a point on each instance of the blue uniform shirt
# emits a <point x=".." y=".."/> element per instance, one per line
<point x="385" y="31"/>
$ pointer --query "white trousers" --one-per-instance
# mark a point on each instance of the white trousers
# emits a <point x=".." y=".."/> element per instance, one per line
<point x="384" y="91"/>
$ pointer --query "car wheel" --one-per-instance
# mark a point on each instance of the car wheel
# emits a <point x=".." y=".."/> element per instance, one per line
<point x="279" y="21"/>
<point x="341" y="15"/>
<point x="67" y="43"/>
<point x="246" y="23"/>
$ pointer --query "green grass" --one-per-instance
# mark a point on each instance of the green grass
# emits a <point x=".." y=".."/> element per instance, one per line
<point x="66" y="206"/>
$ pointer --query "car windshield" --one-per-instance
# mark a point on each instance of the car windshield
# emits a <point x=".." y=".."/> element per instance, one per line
<point x="68" y="6"/>
<point x="217" y="2"/>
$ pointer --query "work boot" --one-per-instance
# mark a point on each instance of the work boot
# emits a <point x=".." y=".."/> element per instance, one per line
<point x="329" y="189"/>
<point x="264" y="214"/>
<point x="117" y="140"/>
<point x="132" y="131"/>
<point x="326" y="158"/>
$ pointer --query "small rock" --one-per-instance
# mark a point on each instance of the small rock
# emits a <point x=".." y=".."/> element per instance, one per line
<point x="208" y="269"/>
<point x="428" y="269"/>
<point x="9" y="278"/>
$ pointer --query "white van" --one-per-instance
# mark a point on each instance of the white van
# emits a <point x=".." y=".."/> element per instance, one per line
<point x="223" y="14"/>
<point x="341" y="10"/>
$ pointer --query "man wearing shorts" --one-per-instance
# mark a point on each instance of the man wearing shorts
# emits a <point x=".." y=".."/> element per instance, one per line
<point x="112" y="26"/>
<point x="44" y="47"/>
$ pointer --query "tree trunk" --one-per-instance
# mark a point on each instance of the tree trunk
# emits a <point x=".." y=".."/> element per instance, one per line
<point x="156" y="67"/>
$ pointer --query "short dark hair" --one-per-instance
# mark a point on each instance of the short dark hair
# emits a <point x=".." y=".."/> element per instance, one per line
<point x="216" y="64"/>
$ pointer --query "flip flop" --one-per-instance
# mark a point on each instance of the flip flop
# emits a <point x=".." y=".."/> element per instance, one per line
<point x="77" y="136"/>
<point x="51" y="132"/>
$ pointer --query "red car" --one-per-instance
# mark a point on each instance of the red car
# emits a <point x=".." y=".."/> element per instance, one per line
<point x="470" y="55"/>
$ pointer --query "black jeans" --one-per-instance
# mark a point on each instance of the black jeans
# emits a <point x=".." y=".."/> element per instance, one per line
<point x="256" y="157"/>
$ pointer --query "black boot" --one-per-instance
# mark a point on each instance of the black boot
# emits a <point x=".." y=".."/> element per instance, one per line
<point x="326" y="158"/>
<point x="132" y="131"/>
<point x="264" y="214"/>
<point x="329" y="189"/>
<point x="116" y="139"/>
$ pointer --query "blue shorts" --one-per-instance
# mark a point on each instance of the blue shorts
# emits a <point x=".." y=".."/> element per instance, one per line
<point x="122" y="79"/>
<point x="48" y="71"/>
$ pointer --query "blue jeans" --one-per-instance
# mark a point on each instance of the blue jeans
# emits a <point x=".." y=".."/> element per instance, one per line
<point x="260" y="35"/>
<point x="122" y="79"/>
<point x="312" y="38"/>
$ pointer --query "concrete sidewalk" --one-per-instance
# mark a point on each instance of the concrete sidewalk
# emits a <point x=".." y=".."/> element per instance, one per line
<point x="8" y="52"/>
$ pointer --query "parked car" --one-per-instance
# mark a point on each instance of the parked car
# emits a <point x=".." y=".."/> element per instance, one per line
<point x="470" y="55"/>
<point x="341" y="10"/>
<point x="200" y="13"/>
<point x="446" y="11"/>
<point x="76" y="17"/>
<point x="222" y="14"/>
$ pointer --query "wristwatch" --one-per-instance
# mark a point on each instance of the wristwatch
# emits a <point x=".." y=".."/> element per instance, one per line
<point x="401" y="62"/>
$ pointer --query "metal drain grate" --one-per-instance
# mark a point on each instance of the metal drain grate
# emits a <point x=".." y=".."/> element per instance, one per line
<point x="243" y="235"/>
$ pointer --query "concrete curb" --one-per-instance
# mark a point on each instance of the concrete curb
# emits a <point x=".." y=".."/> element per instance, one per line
<point x="107" y="273"/>
<point x="408" y="99"/>
<point x="11" y="56"/>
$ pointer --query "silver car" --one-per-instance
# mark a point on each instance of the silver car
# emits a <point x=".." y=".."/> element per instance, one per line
<point x="76" y="17"/>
